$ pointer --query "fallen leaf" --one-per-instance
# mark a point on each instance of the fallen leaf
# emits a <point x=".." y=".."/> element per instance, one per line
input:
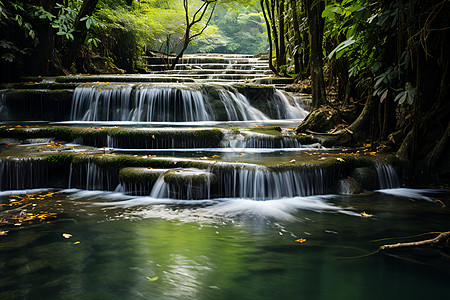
<point x="340" y="159"/>
<point x="67" y="235"/>
<point x="301" y="240"/>
<point x="292" y="161"/>
<point x="153" y="278"/>
<point x="215" y="156"/>
<point x="77" y="242"/>
<point x="365" y="215"/>
<point x="5" y="232"/>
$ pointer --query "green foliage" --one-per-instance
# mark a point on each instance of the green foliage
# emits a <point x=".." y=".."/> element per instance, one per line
<point x="223" y="36"/>
<point x="361" y="29"/>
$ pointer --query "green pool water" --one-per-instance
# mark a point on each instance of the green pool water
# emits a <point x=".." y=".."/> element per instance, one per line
<point x="126" y="247"/>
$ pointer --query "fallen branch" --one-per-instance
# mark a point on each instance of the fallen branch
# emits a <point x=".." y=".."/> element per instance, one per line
<point x="439" y="242"/>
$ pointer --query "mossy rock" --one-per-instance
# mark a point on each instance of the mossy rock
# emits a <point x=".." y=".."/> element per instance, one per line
<point x="193" y="177"/>
<point x="140" y="175"/>
<point x="366" y="177"/>
<point x="120" y="78"/>
<point x="348" y="186"/>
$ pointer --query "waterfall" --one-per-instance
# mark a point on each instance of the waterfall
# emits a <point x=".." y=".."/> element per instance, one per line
<point x="238" y="108"/>
<point x="387" y="177"/>
<point x="262" y="142"/>
<point x="244" y="181"/>
<point x="260" y="183"/>
<point x="101" y="103"/>
<point x="170" y="104"/>
<point x="23" y="173"/>
<point x="90" y="176"/>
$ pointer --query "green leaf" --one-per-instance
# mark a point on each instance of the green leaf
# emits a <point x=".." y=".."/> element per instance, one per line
<point x="384" y="95"/>
<point x="401" y="97"/>
<point x="342" y="46"/>
<point x="8" y="57"/>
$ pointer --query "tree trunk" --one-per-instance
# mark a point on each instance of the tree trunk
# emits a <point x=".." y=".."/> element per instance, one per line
<point x="297" y="37"/>
<point x="281" y="59"/>
<point x="80" y="30"/>
<point x="198" y="16"/>
<point x="269" y="36"/>
<point x="316" y="24"/>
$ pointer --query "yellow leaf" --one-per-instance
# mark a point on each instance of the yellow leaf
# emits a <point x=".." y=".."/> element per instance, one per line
<point x="153" y="278"/>
<point x="301" y="240"/>
<point x="215" y="156"/>
<point x="67" y="235"/>
<point x="340" y="159"/>
<point x="77" y="242"/>
<point x="365" y="215"/>
<point x="153" y="136"/>
<point x="5" y="232"/>
<point x="292" y="161"/>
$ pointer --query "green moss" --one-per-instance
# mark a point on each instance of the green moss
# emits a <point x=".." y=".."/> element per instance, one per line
<point x="20" y="133"/>
<point x="120" y="78"/>
<point x="59" y="160"/>
<point x="182" y="177"/>
<point x="140" y="175"/>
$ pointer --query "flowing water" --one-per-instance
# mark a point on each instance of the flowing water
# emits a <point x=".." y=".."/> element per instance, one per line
<point x="126" y="247"/>
<point x="232" y="204"/>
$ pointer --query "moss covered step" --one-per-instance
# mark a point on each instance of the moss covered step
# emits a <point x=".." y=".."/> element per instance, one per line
<point x="120" y="78"/>
<point x="241" y="180"/>
<point x="161" y="138"/>
<point x="142" y="181"/>
<point x="131" y="138"/>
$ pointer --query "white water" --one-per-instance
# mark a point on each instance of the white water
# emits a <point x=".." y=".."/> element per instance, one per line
<point x="238" y="108"/>
<point x="170" y="103"/>
<point x="101" y="103"/>
<point x="387" y="177"/>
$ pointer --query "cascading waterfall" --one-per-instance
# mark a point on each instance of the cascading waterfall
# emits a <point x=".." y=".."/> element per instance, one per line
<point x="101" y="103"/>
<point x="252" y="182"/>
<point x="23" y="173"/>
<point x="288" y="107"/>
<point x="238" y="108"/>
<point x="257" y="182"/>
<point x="387" y="177"/>
<point x="170" y="104"/>
<point x="90" y="176"/>
<point x="262" y="142"/>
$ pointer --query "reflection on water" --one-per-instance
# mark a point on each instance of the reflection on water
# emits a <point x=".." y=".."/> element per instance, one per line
<point x="125" y="247"/>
